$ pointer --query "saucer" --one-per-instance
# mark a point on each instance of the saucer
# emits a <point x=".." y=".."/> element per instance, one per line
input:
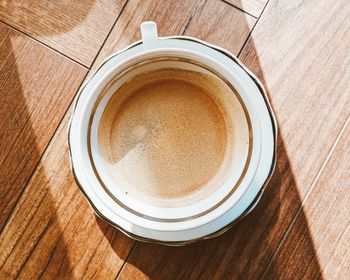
<point x="176" y="230"/>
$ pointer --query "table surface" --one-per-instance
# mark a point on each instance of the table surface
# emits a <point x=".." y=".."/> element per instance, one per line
<point x="300" y="51"/>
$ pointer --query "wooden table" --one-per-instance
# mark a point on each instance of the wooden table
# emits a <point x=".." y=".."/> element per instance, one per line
<point x="301" y="52"/>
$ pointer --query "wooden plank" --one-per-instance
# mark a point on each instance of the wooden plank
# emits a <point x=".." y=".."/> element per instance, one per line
<point x="253" y="7"/>
<point x="301" y="55"/>
<point x="228" y="28"/>
<point x="53" y="233"/>
<point x="74" y="28"/>
<point x="172" y="17"/>
<point x="306" y="81"/>
<point x="185" y="17"/>
<point x="180" y="17"/>
<point x="36" y="88"/>
<point x="327" y="218"/>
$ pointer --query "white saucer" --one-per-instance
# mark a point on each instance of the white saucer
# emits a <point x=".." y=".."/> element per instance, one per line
<point x="173" y="232"/>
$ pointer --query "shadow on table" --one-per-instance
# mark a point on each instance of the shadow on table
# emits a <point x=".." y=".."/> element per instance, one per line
<point x="239" y="253"/>
<point x="245" y="251"/>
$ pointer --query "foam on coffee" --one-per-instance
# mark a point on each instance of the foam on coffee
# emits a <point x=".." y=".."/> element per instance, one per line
<point x="164" y="136"/>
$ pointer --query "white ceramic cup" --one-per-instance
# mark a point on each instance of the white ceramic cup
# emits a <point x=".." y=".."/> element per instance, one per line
<point x="171" y="225"/>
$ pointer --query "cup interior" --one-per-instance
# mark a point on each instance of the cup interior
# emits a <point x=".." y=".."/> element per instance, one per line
<point x="237" y="157"/>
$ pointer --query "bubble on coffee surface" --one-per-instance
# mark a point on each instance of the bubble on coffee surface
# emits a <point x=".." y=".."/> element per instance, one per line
<point x="163" y="135"/>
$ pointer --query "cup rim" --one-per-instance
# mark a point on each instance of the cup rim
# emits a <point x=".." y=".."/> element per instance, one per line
<point x="229" y="203"/>
<point x="172" y="214"/>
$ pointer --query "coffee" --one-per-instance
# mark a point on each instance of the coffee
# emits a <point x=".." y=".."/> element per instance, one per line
<point x="165" y="134"/>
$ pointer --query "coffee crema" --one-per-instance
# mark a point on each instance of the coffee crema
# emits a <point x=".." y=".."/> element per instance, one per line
<point x="165" y="135"/>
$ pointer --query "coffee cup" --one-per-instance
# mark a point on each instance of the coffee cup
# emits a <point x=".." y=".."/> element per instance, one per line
<point x="172" y="140"/>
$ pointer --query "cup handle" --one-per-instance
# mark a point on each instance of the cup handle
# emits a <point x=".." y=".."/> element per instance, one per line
<point x="149" y="35"/>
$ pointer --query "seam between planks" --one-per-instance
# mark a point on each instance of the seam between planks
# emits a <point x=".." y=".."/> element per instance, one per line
<point x="126" y="260"/>
<point x="238" y="8"/>
<point x="43" y="44"/>
<point x="251" y="31"/>
<point x="109" y="33"/>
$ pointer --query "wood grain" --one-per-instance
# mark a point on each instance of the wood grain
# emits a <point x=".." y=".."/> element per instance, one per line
<point x="228" y="28"/>
<point x="253" y="7"/>
<point x="185" y="17"/>
<point x="36" y="88"/>
<point x="53" y="233"/>
<point x="308" y="86"/>
<point x="327" y="215"/>
<point x="172" y="17"/>
<point x="74" y="28"/>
